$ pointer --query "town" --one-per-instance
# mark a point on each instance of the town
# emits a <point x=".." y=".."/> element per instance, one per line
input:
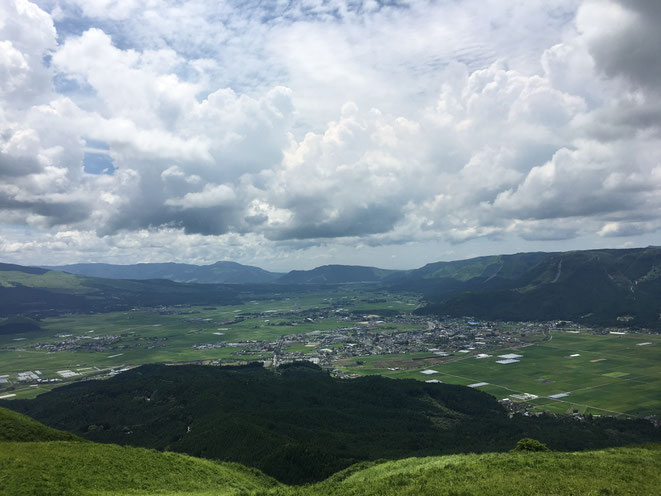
<point x="350" y="337"/>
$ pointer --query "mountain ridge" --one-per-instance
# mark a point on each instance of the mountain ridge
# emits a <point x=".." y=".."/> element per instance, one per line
<point x="605" y="287"/>
<point x="338" y="274"/>
<point x="602" y="287"/>
<point x="37" y="292"/>
<point x="222" y="272"/>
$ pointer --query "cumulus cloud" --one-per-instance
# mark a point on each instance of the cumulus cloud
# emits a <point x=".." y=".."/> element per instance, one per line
<point x="210" y="196"/>
<point x="317" y="126"/>
<point x="623" y="37"/>
<point x="38" y="187"/>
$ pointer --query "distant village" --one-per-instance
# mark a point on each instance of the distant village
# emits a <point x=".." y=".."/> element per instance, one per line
<point x="373" y="334"/>
<point x="364" y="335"/>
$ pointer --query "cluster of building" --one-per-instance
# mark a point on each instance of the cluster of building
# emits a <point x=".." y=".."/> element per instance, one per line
<point x="376" y="335"/>
<point x="85" y="342"/>
<point x="379" y="337"/>
<point x="32" y="378"/>
<point x="28" y="376"/>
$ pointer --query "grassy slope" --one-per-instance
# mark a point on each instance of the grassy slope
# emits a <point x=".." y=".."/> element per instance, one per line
<point x="612" y="471"/>
<point x="33" y="291"/>
<point x="83" y="468"/>
<point x="270" y="420"/>
<point x="298" y="424"/>
<point x="49" y="280"/>
<point x="38" y="460"/>
<point x="218" y="273"/>
<point x="17" y="427"/>
<point x="69" y="468"/>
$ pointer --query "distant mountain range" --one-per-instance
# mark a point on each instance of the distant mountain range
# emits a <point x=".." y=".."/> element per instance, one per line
<point x="228" y="273"/>
<point x="338" y="274"/>
<point x="39" y="292"/>
<point x="218" y="273"/>
<point x="608" y="287"/>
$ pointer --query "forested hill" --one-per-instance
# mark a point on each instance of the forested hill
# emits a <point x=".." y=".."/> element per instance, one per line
<point x="298" y="424"/>
<point x="607" y="287"/>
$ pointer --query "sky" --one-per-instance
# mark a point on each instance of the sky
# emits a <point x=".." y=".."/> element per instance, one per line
<point x="291" y="134"/>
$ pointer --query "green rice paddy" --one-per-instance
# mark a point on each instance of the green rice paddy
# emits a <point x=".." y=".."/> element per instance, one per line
<point x="608" y="374"/>
<point x="175" y="334"/>
<point x="614" y="374"/>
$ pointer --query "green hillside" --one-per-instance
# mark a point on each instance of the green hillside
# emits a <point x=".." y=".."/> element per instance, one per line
<point x="596" y="287"/>
<point x="218" y="273"/>
<point x="37" y="460"/>
<point x="51" y="279"/>
<point x="49" y="462"/>
<point x="622" y="471"/>
<point x="484" y="268"/>
<point x="17" y="427"/>
<point x="39" y="292"/>
<point x="299" y="424"/>
<point x="70" y="468"/>
<point x="19" y="324"/>
<point x="603" y="287"/>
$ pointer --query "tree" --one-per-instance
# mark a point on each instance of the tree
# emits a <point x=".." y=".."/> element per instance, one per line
<point x="528" y="444"/>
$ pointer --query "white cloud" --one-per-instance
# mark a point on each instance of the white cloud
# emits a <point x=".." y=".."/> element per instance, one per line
<point x="319" y="126"/>
<point x="623" y="37"/>
<point x="210" y="196"/>
<point x="27" y="35"/>
<point x="112" y="9"/>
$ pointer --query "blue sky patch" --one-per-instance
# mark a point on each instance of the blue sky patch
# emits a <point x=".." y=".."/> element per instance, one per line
<point x="98" y="163"/>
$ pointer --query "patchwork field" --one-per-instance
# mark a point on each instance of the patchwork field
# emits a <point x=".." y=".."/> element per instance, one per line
<point x="97" y="343"/>
<point x="560" y="371"/>
<point x="599" y="374"/>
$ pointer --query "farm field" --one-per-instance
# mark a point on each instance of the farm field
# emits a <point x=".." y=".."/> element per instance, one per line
<point x="608" y="374"/>
<point x="558" y="371"/>
<point x="94" y="344"/>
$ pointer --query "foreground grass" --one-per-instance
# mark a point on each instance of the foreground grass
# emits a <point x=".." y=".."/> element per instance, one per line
<point x="17" y="427"/>
<point x="73" y="468"/>
<point x="619" y="471"/>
